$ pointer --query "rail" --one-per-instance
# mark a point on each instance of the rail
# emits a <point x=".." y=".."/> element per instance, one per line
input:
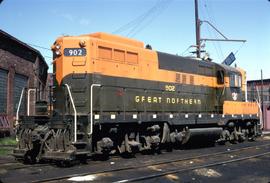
<point x="187" y="157"/>
<point x="18" y="108"/>
<point x="91" y="107"/>
<point x="75" y="114"/>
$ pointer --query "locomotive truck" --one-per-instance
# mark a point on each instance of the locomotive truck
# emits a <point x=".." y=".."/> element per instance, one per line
<point x="113" y="95"/>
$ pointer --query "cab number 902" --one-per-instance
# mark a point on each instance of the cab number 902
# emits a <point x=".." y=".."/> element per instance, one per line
<point x="169" y="88"/>
<point x="74" y="51"/>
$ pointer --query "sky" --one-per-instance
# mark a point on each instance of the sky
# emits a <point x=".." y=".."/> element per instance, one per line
<point x="167" y="25"/>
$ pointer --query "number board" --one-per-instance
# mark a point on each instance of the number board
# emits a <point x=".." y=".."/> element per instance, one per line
<point x="74" y="52"/>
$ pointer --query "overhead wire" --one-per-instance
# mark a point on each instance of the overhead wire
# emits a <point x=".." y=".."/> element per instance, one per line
<point x="183" y="53"/>
<point x="47" y="56"/>
<point x="150" y="18"/>
<point x="140" y="22"/>
<point x="136" y="20"/>
<point x="212" y="18"/>
<point x="42" y="47"/>
<point x="216" y="45"/>
<point x="211" y="31"/>
<point x="203" y="14"/>
<point x="239" y="48"/>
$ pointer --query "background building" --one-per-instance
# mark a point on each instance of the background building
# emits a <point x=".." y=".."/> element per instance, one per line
<point x="20" y="66"/>
<point x="259" y="88"/>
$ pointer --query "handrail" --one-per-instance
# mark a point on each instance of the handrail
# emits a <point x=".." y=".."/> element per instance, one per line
<point x="91" y="107"/>
<point x="18" y="108"/>
<point x="28" y="100"/>
<point x="75" y="114"/>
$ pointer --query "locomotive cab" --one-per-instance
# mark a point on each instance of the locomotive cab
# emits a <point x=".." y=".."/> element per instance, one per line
<point x="232" y="97"/>
<point x="235" y="86"/>
<point x="231" y="84"/>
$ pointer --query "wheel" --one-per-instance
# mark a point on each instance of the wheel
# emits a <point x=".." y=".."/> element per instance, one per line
<point x="29" y="158"/>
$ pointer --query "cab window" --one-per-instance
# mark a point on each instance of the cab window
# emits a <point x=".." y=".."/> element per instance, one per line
<point x="235" y="80"/>
<point x="220" y="77"/>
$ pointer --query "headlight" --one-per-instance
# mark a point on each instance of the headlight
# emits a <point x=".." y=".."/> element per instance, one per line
<point x="57" y="46"/>
<point x="82" y="43"/>
<point x="58" y="52"/>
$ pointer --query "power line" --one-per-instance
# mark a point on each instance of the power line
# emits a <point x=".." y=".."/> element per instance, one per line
<point x="239" y="48"/>
<point x="46" y="56"/>
<point x="216" y="45"/>
<point x="204" y="16"/>
<point x="139" y="23"/>
<point x="160" y="8"/>
<point x="42" y="47"/>
<point x="136" y="20"/>
<point x="215" y="22"/>
<point x="147" y="15"/>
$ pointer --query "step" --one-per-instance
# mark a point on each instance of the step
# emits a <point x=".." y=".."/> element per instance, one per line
<point x="81" y="136"/>
<point x="80" y="144"/>
<point x="82" y="152"/>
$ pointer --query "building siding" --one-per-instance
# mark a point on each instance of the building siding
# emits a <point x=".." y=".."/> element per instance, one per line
<point x="257" y="89"/>
<point x="3" y="91"/>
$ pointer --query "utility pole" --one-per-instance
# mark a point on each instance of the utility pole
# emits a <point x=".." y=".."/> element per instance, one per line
<point x="199" y="40"/>
<point x="197" y="28"/>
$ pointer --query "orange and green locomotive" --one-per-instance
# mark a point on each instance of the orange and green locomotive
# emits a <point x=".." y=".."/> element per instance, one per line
<point x="111" y="94"/>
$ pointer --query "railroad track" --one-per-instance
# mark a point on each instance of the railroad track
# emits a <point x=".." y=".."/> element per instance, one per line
<point x="7" y="145"/>
<point x="177" y="170"/>
<point x="162" y="168"/>
<point x="16" y="166"/>
<point x="12" y="164"/>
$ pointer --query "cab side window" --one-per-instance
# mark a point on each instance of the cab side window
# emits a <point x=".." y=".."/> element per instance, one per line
<point x="232" y="80"/>
<point x="235" y="80"/>
<point x="220" y="77"/>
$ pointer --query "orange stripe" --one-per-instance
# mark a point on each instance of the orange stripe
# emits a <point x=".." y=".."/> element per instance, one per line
<point x="233" y="107"/>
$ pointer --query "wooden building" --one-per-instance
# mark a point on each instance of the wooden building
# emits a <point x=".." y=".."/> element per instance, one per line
<point x="257" y="90"/>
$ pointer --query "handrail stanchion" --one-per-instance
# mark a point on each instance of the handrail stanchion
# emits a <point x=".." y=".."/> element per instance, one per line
<point x="18" y="108"/>
<point x="75" y="114"/>
<point x="28" y="99"/>
<point x="91" y="107"/>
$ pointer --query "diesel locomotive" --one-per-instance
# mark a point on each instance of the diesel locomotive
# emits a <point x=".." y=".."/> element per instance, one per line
<point x="113" y="95"/>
